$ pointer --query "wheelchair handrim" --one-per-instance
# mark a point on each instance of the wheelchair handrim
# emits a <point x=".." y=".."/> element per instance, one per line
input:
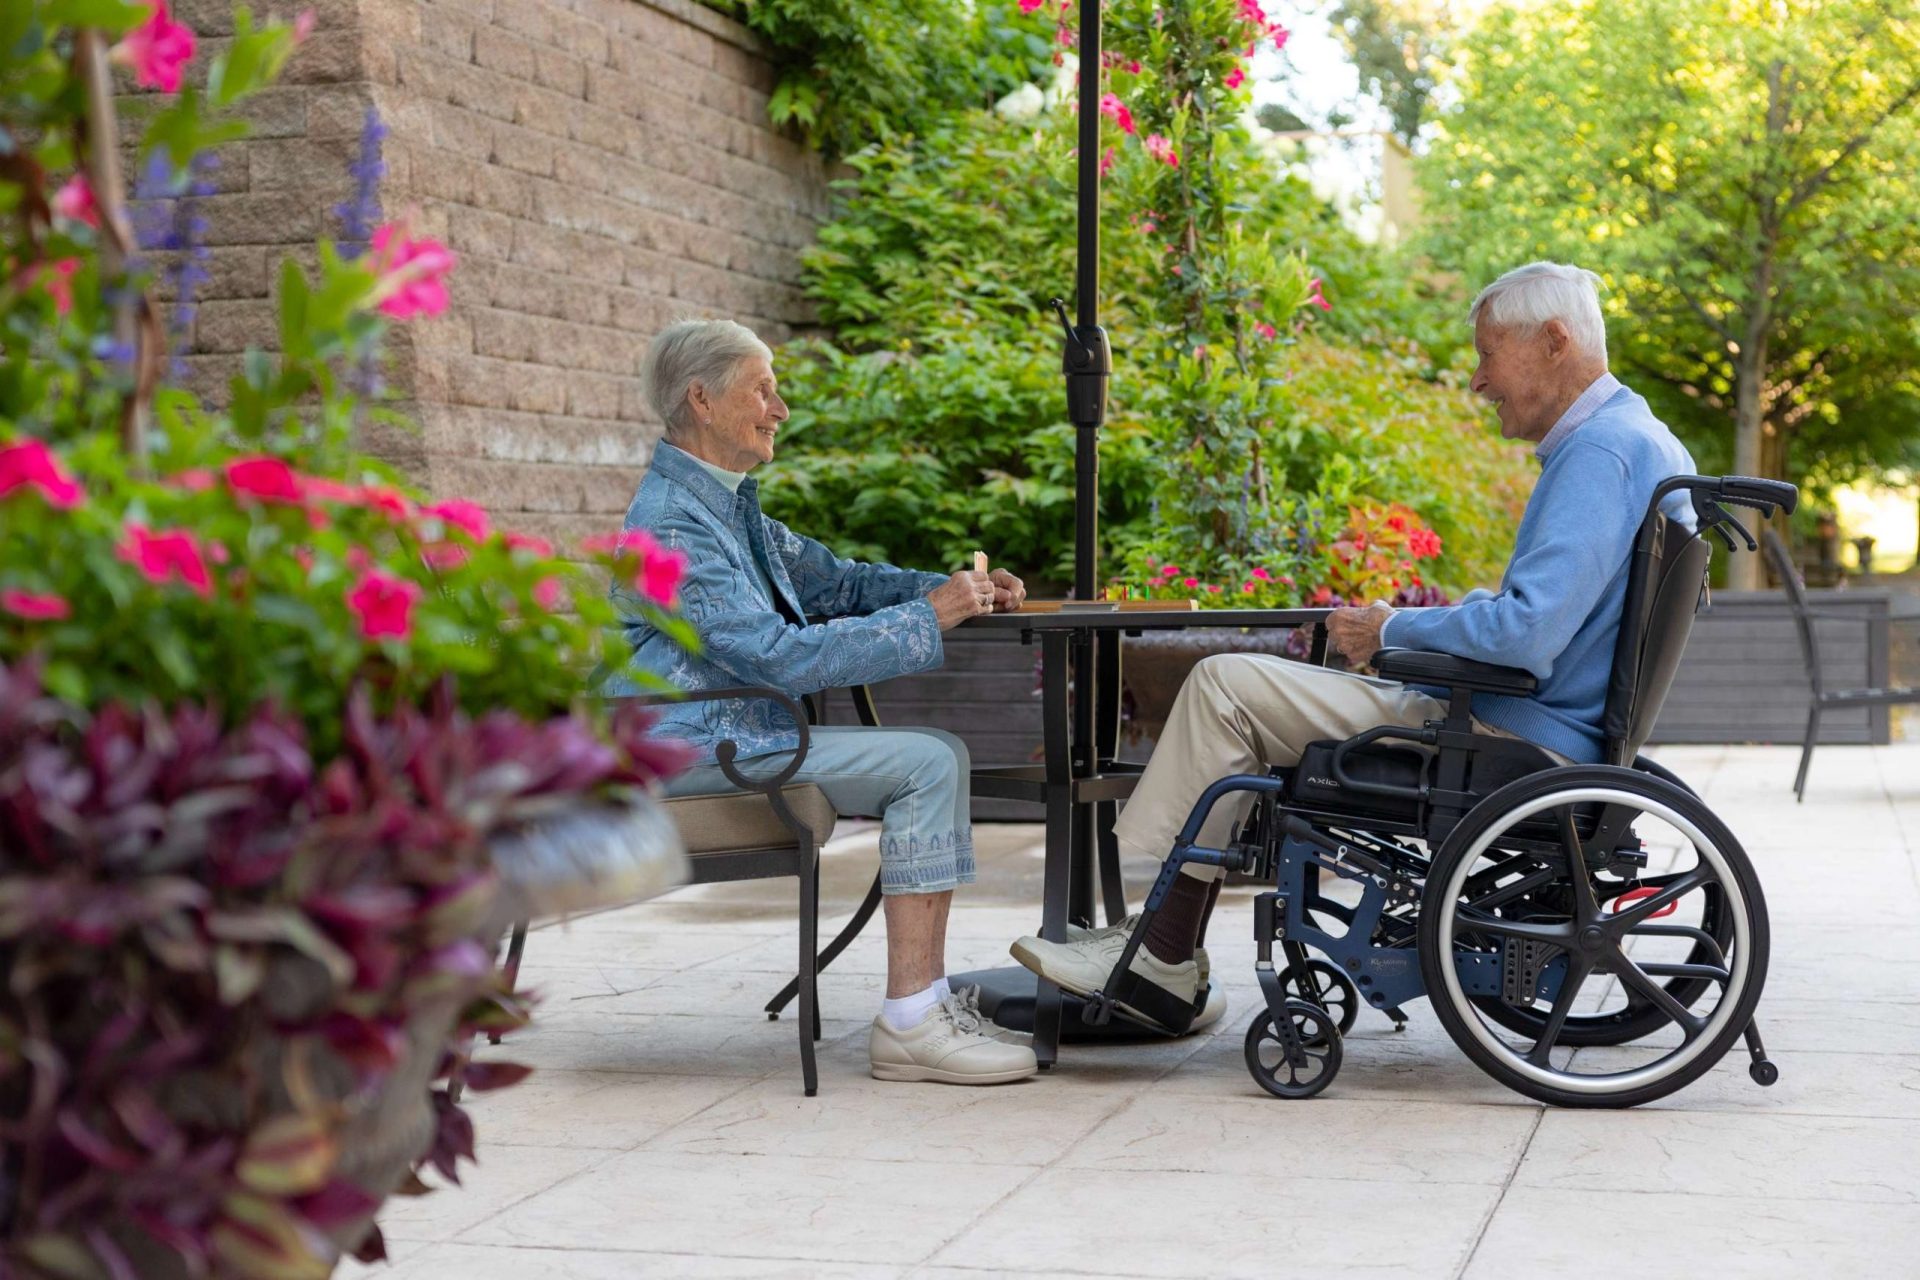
<point x="1619" y="1081"/>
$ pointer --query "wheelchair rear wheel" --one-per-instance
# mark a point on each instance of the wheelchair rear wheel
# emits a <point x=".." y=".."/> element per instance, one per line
<point x="1575" y="929"/>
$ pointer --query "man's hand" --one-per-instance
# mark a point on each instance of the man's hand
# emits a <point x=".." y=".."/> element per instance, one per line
<point x="1009" y="593"/>
<point x="1355" y="633"/>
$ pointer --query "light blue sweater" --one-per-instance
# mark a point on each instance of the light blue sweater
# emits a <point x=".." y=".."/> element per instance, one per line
<point x="1557" y="612"/>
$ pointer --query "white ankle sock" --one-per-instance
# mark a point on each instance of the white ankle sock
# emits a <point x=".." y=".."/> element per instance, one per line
<point x="941" y="988"/>
<point x="909" y="1012"/>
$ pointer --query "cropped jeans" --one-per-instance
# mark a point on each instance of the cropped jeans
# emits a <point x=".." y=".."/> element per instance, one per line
<point x="916" y="781"/>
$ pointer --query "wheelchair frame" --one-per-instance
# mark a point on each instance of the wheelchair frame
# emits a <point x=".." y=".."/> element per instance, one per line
<point x="1472" y="797"/>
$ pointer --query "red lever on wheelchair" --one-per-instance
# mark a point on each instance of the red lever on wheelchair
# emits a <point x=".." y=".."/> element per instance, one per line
<point x="1632" y="896"/>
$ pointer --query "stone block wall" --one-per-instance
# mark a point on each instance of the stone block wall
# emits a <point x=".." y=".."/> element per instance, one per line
<point x="600" y="167"/>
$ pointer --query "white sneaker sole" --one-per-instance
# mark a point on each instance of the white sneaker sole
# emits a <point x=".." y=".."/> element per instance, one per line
<point x="908" y="1073"/>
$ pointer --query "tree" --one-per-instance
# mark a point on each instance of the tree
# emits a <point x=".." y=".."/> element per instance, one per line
<point x="1743" y="173"/>
<point x="1399" y="48"/>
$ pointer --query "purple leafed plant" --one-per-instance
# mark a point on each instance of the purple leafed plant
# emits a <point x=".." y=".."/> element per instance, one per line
<point x="216" y="949"/>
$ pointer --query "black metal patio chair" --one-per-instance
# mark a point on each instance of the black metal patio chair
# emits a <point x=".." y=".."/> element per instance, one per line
<point x="1824" y="699"/>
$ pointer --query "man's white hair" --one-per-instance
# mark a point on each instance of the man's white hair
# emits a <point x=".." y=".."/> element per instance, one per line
<point x="1527" y="297"/>
<point x="708" y="352"/>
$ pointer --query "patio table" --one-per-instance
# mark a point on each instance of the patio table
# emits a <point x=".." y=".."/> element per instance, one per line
<point x="1081" y="782"/>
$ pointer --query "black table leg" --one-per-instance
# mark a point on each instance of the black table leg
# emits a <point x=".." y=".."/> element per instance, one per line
<point x="1060" y="833"/>
<point x="1113" y="890"/>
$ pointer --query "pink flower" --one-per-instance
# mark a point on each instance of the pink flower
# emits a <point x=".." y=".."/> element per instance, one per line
<point x="1189" y="582"/>
<point x="1170" y="571"/>
<point x="443" y="556"/>
<point x="1315" y="297"/>
<point x="31" y="465"/>
<point x="1235" y="78"/>
<point x="57" y="278"/>
<point x="549" y="592"/>
<point x="1279" y="34"/>
<point x="468" y="517"/>
<point x="34" y="607"/>
<point x="1106" y="162"/>
<point x="1213" y="588"/>
<point x="265" y="479"/>
<point x="158" y="50"/>
<point x="166" y="557"/>
<point x="1286" y="580"/>
<point x="660" y="573"/>
<point x="327" y="490"/>
<point x="527" y="542"/>
<point x="193" y="480"/>
<point x="412" y="273"/>
<point x="1110" y="105"/>
<point x="384" y="605"/>
<point x="1028" y="6"/>
<point x="1200" y="351"/>
<point x="1266" y="330"/>
<point x="390" y="501"/>
<point x="1133" y="68"/>
<point x="1263" y="575"/>
<point x="303" y="25"/>
<point x="1160" y="149"/>
<point x="1249" y="588"/>
<point x="1149" y="226"/>
<point x="74" y="201"/>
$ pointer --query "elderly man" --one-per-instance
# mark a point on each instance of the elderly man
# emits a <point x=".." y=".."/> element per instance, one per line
<point x="751" y="588"/>
<point x="1543" y="365"/>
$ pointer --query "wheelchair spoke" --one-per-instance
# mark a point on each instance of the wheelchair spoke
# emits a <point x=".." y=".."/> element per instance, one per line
<point x="1518" y="889"/>
<point x="1473" y="921"/>
<point x="1635" y="979"/>
<point x="1585" y="906"/>
<point x="1577" y="971"/>
<point x="1673" y="892"/>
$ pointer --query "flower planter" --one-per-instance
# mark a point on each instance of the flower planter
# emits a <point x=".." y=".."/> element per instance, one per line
<point x="1154" y="664"/>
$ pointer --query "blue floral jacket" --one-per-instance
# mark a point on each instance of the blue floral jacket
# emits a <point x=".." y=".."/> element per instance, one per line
<point x="880" y="623"/>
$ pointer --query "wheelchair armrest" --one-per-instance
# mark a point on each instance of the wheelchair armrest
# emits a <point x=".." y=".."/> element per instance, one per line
<point x="1421" y="666"/>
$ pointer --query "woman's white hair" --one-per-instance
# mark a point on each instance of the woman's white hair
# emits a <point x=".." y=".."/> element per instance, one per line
<point x="708" y="352"/>
<point x="1527" y="297"/>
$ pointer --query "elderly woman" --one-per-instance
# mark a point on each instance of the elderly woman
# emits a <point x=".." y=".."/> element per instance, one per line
<point x="751" y="587"/>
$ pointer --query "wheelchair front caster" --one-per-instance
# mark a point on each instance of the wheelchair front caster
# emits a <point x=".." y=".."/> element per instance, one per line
<point x="1298" y="1060"/>
<point x="1332" y="990"/>
<point x="1763" y="1072"/>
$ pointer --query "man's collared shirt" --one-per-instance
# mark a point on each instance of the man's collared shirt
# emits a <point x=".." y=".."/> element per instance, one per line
<point x="1584" y="406"/>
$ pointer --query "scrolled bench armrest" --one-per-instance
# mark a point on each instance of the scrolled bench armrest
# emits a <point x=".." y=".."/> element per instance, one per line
<point x="1421" y="666"/>
<point x="728" y="750"/>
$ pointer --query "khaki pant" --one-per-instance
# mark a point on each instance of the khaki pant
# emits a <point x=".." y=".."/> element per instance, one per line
<point x="1240" y="713"/>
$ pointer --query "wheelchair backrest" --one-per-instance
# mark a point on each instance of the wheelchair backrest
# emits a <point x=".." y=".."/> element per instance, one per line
<point x="1665" y="581"/>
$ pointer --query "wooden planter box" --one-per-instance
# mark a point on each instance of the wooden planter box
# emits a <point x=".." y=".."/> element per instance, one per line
<point x="1743" y="680"/>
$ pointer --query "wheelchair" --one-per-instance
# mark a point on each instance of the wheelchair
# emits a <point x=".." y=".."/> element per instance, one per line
<point x="1588" y="935"/>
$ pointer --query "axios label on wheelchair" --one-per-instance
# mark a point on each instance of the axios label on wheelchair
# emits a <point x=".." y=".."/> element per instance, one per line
<point x="1590" y="935"/>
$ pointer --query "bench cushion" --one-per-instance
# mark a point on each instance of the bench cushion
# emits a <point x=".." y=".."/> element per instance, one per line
<point x="739" y="820"/>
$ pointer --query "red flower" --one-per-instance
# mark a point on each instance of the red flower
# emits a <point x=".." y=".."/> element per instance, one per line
<point x="1424" y="544"/>
<point x="57" y="276"/>
<point x="35" y="608"/>
<point x="30" y="464"/>
<point x="1110" y="105"/>
<point x="468" y="517"/>
<point x="1397" y="522"/>
<point x="384" y="604"/>
<point x="1235" y="78"/>
<point x="268" y="479"/>
<point x="166" y="557"/>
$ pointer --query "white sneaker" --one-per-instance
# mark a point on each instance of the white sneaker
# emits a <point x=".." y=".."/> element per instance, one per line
<point x="948" y="1046"/>
<point x="1079" y="933"/>
<point x="1153" y="991"/>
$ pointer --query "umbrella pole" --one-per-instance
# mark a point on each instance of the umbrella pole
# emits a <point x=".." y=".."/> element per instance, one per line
<point x="1086" y="358"/>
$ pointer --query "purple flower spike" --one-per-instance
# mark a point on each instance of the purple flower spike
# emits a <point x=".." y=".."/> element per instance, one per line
<point x="360" y="215"/>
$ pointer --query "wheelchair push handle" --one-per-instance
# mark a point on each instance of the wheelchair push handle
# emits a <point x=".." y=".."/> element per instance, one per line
<point x="1762" y="495"/>
<point x="1709" y="492"/>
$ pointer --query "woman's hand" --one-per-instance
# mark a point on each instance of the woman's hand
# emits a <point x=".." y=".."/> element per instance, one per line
<point x="1009" y="593"/>
<point x="964" y="595"/>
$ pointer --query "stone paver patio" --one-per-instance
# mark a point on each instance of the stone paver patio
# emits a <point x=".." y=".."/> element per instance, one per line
<point x="665" y="1133"/>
